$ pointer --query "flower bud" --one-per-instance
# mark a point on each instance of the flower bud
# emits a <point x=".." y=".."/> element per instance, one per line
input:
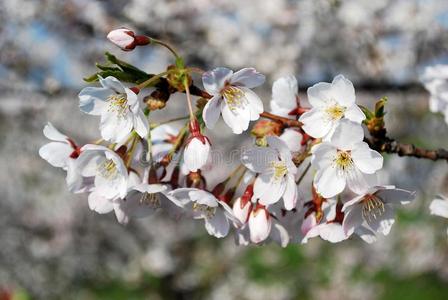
<point x="126" y="39"/>
<point x="266" y="127"/>
<point x="260" y="223"/>
<point x="243" y="206"/>
<point x="196" y="180"/>
<point x="197" y="149"/>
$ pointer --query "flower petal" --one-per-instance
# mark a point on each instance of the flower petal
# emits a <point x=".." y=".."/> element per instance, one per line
<point x="347" y="134"/>
<point x="218" y="225"/>
<point x="355" y="114"/>
<point x="352" y="219"/>
<point x="92" y="100"/>
<point x="290" y="194"/>
<point x="215" y="80"/>
<point x="383" y="223"/>
<point x="316" y="123"/>
<point x="439" y="207"/>
<point x="212" y="111"/>
<point x="284" y="94"/>
<point x="248" y="77"/>
<point x="328" y="182"/>
<point x="367" y="160"/>
<point x="343" y="91"/>
<point x="254" y="102"/>
<point x="99" y="203"/>
<point x="56" y="154"/>
<point x="196" y="154"/>
<point x="319" y="94"/>
<point x="53" y="134"/>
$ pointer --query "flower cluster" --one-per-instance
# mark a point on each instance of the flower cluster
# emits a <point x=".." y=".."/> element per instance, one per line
<point x="139" y="167"/>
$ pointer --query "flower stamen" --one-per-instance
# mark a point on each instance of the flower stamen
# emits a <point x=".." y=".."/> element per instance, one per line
<point x="151" y="199"/>
<point x="208" y="211"/>
<point x="372" y="207"/>
<point x="335" y="112"/>
<point x="108" y="169"/>
<point x="118" y="103"/>
<point x="280" y="169"/>
<point x="233" y="96"/>
<point x="343" y="160"/>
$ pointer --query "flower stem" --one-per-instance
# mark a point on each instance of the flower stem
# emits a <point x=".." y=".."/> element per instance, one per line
<point x="152" y="80"/>
<point x="303" y="174"/>
<point x="166" y="45"/>
<point x="187" y="92"/>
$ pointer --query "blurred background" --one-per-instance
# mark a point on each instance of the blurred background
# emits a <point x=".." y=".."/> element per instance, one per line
<point x="53" y="247"/>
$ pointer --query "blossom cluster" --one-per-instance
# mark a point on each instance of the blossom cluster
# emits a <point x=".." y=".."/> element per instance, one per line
<point x="139" y="167"/>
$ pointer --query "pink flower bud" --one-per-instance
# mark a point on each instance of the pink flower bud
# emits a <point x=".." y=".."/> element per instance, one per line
<point x="126" y="39"/>
<point x="243" y="206"/>
<point x="260" y="223"/>
<point x="197" y="149"/>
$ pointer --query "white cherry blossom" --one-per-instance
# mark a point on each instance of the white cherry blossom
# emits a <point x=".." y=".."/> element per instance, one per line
<point x="435" y="79"/>
<point x="204" y="205"/>
<point x="276" y="170"/>
<point x="107" y="169"/>
<point x="439" y="207"/>
<point x="345" y="160"/>
<point x="331" y="102"/>
<point x="62" y="152"/>
<point x="197" y="148"/>
<point x="374" y="211"/>
<point x="118" y="107"/>
<point x="232" y="97"/>
<point x="329" y="228"/>
<point x="284" y="96"/>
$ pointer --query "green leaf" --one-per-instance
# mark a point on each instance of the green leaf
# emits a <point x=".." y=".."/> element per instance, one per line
<point x="367" y="112"/>
<point x="379" y="107"/>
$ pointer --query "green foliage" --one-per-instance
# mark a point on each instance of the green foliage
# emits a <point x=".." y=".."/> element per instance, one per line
<point x="119" y="69"/>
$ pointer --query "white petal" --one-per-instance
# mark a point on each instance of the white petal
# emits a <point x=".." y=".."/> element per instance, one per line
<point x="395" y="196"/>
<point x="320" y="94"/>
<point x="196" y="154"/>
<point x="347" y="134"/>
<point x="241" y="212"/>
<point x="116" y="129"/>
<point x="343" y="91"/>
<point x="150" y="188"/>
<point x="248" y="77"/>
<point x="383" y="223"/>
<point x="316" y="123"/>
<point x="203" y="197"/>
<point x="56" y="154"/>
<point x="366" y="234"/>
<point x="218" y="225"/>
<point x="359" y="182"/>
<point x="439" y="207"/>
<point x="352" y="219"/>
<point x="308" y="223"/>
<point x="284" y="93"/>
<point x="238" y="120"/>
<point x="113" y="84"/>
<point x="293" y="139"/>
<point x="332" y="232"/>
<point x="290" y="195"/>
<point x="323" y="155"/>
<point x="215" y="80"/>
<point x="99" y="203"/>
<point x="258" y="159"/>
<point x="255" y="104"/>
<point x="53" y="134"/>
<point x="272" y="192"/>
<point x="355" y="114"/>
<point x="367" y="160"/>
<point x="279" y="234"/>
<point x="92" y="100"/>
<point x="328" y="183"/>
<point x="260" y="225"/>
<point x="141" y="124"/>
<point x="212" y="111"/>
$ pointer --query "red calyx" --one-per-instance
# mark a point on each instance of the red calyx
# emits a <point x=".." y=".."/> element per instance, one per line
<point x="195" y="131"/>
<point x="247" y="196"/>
<point x="76" y="150"/>
<point x="135" y="89"/>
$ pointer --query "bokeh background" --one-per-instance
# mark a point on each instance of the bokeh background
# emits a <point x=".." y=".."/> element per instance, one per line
<point x="53" y="247"/>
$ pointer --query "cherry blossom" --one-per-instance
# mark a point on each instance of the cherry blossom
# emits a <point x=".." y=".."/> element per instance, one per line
<point x="435" y="80"/>
<point x="331" y="102"/>
<point x="204" y="205"/>
<point x="106" y="168"/>
<point x="118" y="107"/>
<point x="276" y="170"/>
<point x="439" y="207"/>
<point x="197" y="148"/>
<point x="374" y="210"/>
<point x="232" y="97"/>
<point x="345" y="160"/>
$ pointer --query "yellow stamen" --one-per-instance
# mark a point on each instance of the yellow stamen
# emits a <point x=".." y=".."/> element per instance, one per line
<point x="205" y="209"/>
<point x="280" y="170"/>
<point x="343" y="160"/>
<point x="373" y="206"/>
<point x="151" y="199"/>
<point x="335" y="112"/>
<point x="108" y="169"/>
<point x="118" y="103"/>
<point x="233" y="96"/>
